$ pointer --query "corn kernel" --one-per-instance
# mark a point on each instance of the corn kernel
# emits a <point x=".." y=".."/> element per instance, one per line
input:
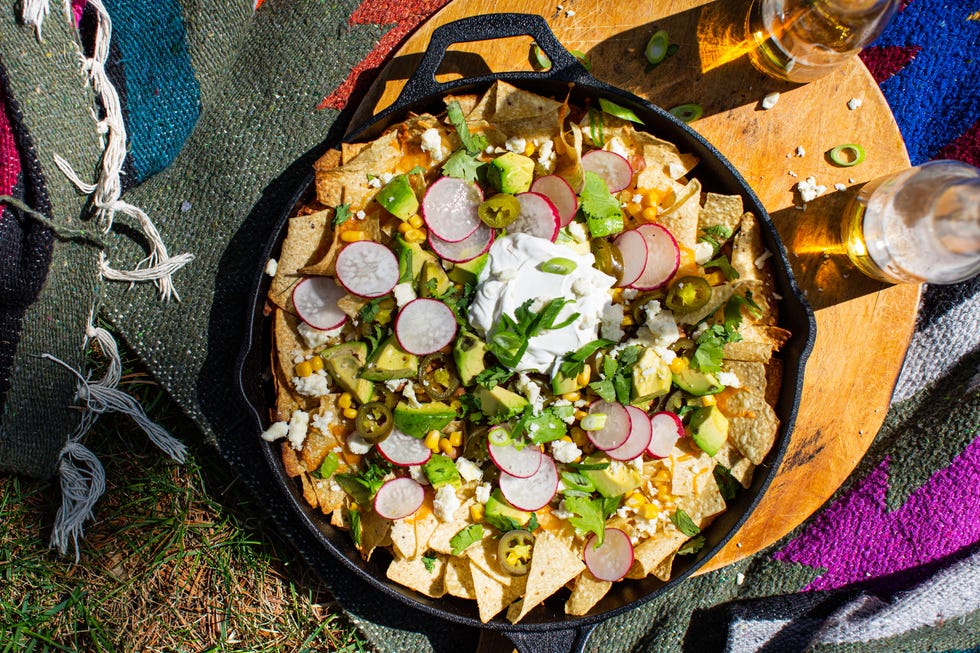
<point x="662" y="493"/>
<point x="636" y="500"/>
<point x="316" y="363"/>
<point x="580" y="414"/>
<point x="405" y="227"/>
<point x="445" y="445"/>
<point x="477" y="512"/>
<point x="572" y="396"/>
<point x="715" y="278"/>
<point x="350" y="413"/>
<point x="616" y="294"/>
<point x="634" y="209"/>
<point x="456" y="438"/>
<point x="303" y="369"/>
<point x="708" y="400"/>
<point x="566" y="438"/>
<point x="578" y="436"/>
<point x="415" y="221"/>
<point x="415" y="235"/>
<point x="583" y="378"/>
<point x="661" y="476"/>
<point x="627" y="320"/>
<point x="432" y="440"/>
<point x="648" y="511"/>
<point x="651" y="198"/>
<point x="678" y="365"/>
<point x="529" y="149"/>
<point x="353" y="235"/>
<point x="649" y="214"/>
<point x="344" y="400"/>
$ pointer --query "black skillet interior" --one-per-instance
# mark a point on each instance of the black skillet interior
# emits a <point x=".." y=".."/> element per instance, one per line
<point x="566" y="78"/>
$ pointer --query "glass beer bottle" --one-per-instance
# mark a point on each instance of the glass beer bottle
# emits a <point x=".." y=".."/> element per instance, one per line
<point x="917" y="225"/>
<point x="803" y="40"/>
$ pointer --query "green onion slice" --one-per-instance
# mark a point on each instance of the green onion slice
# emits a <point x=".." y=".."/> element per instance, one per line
<point x="847" y="155"/>
<point x="499" y="436"/>
<point x="687" y="112"/>
<point x="582" y="59"/>
<point x="614" y="109"/>
<point x="558" y="265"/>
<point x="539" y="59"/>
<point x="656" y="50"/>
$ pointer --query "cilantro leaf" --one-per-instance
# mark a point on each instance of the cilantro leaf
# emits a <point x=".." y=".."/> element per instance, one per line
<point x="502" y="523"/>
<point x="545" y="427"/>
<point x="733" y="310"/>
<point x="532" y="523"/>
<point x="462" y="166"/>
<point x="588" y="516"/>
<point x="341" y="215"/>
<point x="603" y="215"/>
<point x="328" y="466"/>
<point x="715" y="235"/>
<point x="617" y="376"/>
<point x="493" y="376"/>
<point x="727" y="484"/>
<point x="722" y="263"/>
<point x="692" y="546"/>
<point x="684" y="523"/>
<point x="474" y="144"/>
<point x="464" y="538"/>
<point x="576" y="485"/>
<point x="429" y="562"/>
<point x="355" y="525"/>
<point x="574" y="362"/>
<point x="363" y="486"/>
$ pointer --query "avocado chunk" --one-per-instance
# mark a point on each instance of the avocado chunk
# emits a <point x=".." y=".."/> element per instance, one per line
<point x="469" y="271"/>
<point x="344" y="363"/>
<point x="441" y="470"/>
<point x="398" y="198"/>
<point x="433" y="282"/>
<point x="615" y="480"/>
<point x="390" y="361"/>
<point x="651" y="378"/>
<point x="411" y="259"/>
<point x="503" y="516"/>
<point x="561" y="384"/>
<point x="511" y="173"/>
<point x="468" y="353"/>
<point x="697" y="383"/>
<point x="709" y="429"/>
<point x="500" y="404"/>
<point x="417" y="421"/>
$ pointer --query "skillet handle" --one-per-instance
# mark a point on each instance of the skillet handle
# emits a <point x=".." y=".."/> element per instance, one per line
<point x="423" y="82"/>
<point x="572" y="640"/>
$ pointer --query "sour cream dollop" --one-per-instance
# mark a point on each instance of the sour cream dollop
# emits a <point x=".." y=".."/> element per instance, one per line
<point x="512" y="276"/>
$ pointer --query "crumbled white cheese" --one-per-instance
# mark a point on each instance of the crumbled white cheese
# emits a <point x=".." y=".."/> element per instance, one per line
<point x="482" y="492"/>
<point x="663" y="328"/>
<point x="516" y="144"/>
<point x="445" y="503"/>
<point x="564" y="451"/>
<point x="810" y="189"/>
<point x="299" y="421"/>
<point x="531" y="391"/>
<point x="547" y="156"/>
<point x="418" y="474"/>
<point x="625" y="511"/>
<point x="666" y="355"/>
<point x="617" y="146"/>
<point x="386" y="177"/>
<point x="839" y="187"/>
<point x="562" y="512"/>
<point x="739" y="578"/>
<point x="431" y="142"/>
<point x="409" y="393"/>
<point x="612" y="322"/>
<point x="760" y="261"/>
<point x="271" y="266"/>
<point x="357" y="444"/>
<point x="360" y="215"/>
<point x="322" y="423"/>
<point x="703" y="252"/>
<point x="468" y="470"/>
<point x="729" y="380"/>
<point x="314" y="385"/>
<point x="276" y="431"/>
<point x="676" y="170"/>
<point x="792" y="174"/>
<point x="374" y="182"/>
<point x="630" y="294"/>
<point x="854" y="103"/>
<point x="404" y="293"/>
<point x="577" y="231"/>
<point x="318" y="337"/>
<point x="569" y="12"/>
<point x="394" y="385"/>
<point x="770" y="101"/>
<point x="636" y="199"/>
<point x="800" y="151"/>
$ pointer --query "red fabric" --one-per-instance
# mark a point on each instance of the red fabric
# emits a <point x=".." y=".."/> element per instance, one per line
<point x="885" y="61"/>
<point x="966" y="148"/>
<point x="9" y="157"/>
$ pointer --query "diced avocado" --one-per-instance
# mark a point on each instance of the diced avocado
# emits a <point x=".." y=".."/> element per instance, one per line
<point x="500" y="403"/>
<point x="498" y="512"/>
<point x="468" y="272"/>
<point x="399" y="198"/>
<point x="615" y="480"/>
<point x="697" y="383"/>
<point x="441" y="470"/>
<point x="390" y="361"/>
<point x="344" y="363"/>
<point x="411" y="259"/>
<point x="511" y="173"/>
<point x="468" y="353"/>
<point x="709" y="429"/>
<point x="561" y="384"/>
<point x="651" y="378"/>
<point x="417" y="421"/>
<point x="433" y="282"/>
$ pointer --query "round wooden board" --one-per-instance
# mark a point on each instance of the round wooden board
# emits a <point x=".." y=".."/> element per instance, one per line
<point x="863" y="327"/>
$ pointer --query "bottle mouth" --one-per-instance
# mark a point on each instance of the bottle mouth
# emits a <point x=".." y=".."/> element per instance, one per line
<point x="957" y="218"/>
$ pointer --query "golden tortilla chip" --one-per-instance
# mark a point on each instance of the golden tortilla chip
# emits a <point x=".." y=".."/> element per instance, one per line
<point x="748" y="249"/>
<point x="309" y="493"/>
<point x="445" y="531"/>
<point x="689" y="473"/>
<point x="425" y="523"/>
<point x="318" y="444"/>
<point x="323" y="265"/>
<point x="483" y="554"/>
<point x="375" y="532"/>
<point x="553" y="564"/>
<point x="568" y="157"/>
<point x="647" y="555"/>
<point x="719" y="296"/>
<point x="306" y="241"/>
<point x="751" y="374"/>
<point x="752" y="423"/>
<point x="328" y="498"/>
<point x="492" y="595"/>
<point x="681" y="218"/>
<point x="458" y="579"/>
<point x="404" y="539"/>
<point x="761" y="294"/>
<point x="349" y="183"/>
<point x="740" y="467"/>
<point x="757" y="344"/>
<point x="721" y="210"/>
<point x="586" y="593"/>
<point x="663" y="161"/>
<point x="415" y="575"/>
<point x="704" y="504"/>
<point x="520" y="113"/>
<point x="663" y="570"/>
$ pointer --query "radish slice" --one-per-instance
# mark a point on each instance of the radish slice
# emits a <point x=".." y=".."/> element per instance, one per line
<point x="666" y="430"/>
<point x="616" y="429"/>
<point x="639" y="438"/>
<point x="315" y="300"/>
<point x="367" y="269"/>
<point x="535" y="491"/>
<point x="465" y="250"/>
<point x="424" y="326"/>
<point x="538" y="217"/>
<point x="403" y="450"/>
<point x="615" y="170"/>
<point x="613" y="558"/>
<point x="522" y="463"/>
<point x="663" y="257"/>
<point x="633" y="246"/>
<point x="399" y="497"/>
<point x="561" y="195"/>
<point x="449" y="208"/>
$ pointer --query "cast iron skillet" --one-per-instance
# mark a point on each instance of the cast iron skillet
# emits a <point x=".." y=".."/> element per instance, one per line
<point x="547" y="628"/>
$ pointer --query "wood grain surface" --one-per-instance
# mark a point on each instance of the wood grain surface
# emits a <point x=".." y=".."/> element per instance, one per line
<point x="863" y="327"/>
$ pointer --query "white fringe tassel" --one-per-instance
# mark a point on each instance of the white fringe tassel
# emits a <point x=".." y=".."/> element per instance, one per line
<point x="33" y="13"/>
<point x="82" y="475"/>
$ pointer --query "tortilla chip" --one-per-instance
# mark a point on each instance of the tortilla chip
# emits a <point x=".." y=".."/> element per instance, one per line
<point x="445" y="531"/>
<point x="414" y="575"/>
<point x="662" y="571"/>
<point x="328" y="498"/>
<point x="647" y="555"/>
<point x="757" y="344"/>
<point x="747" y="248"/>
<point x="751" y="374"/>
<point x="721" y="210"/>
<point x="706" y="503"/>
<point x="742" y="472"/>
<point x="586" y="593"/>
<point x="323" y="265"/>
<point x="317" y="444"/>
<point x="689" y="473"/>
<point x="492" y="596"/>
<point x="306" y="241"/>
<point x="663" y="161"/>
<point x="309" y="494"/>
<point x="719" y="296"/>
<point x="568" y="157"/>
<point x="348" y="184"/>
<point x="424" y="526"/>
<point x="458" y="579"/>
<point x="375" y="532"/>
<point x="553" y="564"/>
<point x="761" y="294"/>
<point x="752" y="423"/>
<point x="483" y="554"/>
<point x="403" y="538"/>
<point x="290" y="460"/>
<point x="523" y="114"/>
<point x="681" y="218"/>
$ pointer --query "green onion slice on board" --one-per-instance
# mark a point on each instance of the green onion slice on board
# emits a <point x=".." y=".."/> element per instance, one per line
<point x="687" y="112"/>
<point x="656" y="50"/>
<point x="847" y="155"/>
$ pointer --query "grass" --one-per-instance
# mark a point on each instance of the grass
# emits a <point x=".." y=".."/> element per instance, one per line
<point x="176" y="558"/>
